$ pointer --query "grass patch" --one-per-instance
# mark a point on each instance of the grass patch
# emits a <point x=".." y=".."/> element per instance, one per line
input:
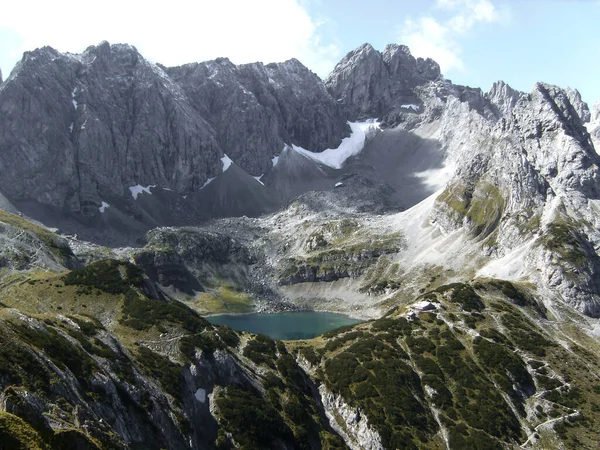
<point x="17" y="434"/>
<point x="564" y="239"/>
<point x="482" y="205"/>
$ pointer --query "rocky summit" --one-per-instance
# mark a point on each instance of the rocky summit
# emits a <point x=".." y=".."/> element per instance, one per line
<point x="460" y="226"/>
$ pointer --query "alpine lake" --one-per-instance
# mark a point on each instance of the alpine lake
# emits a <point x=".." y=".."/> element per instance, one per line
<point x="285" y="326"/>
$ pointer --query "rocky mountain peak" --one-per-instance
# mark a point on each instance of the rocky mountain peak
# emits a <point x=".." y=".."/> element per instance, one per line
<point x="567" y="114"/>
<point x="503" y="97"/>
<point x="582" y="108"/>
<point x="370" y="83"/>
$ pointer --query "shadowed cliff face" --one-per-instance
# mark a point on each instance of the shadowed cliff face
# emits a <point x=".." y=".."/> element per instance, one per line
<point x="80" y="129"/>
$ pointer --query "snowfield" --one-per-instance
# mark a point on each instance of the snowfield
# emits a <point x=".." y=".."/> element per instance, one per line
<point x="350" y="146"/>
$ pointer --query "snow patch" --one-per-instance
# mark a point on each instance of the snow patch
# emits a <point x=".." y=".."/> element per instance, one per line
<point x="200" y="395"/>
<point x="71" y="127"/>
<point x="338" y="184"/>
<point x="350" y="146"/>
<point x="275" y="160"/>
<point x="73" y="98"/>
<point x="138" y="189"/>
<point x="103" y="207"/>
<point x="206" y="183"/>
<point x="226" y="160"/>
<point x="410" y="106"/>
<point x="258" y="179"/>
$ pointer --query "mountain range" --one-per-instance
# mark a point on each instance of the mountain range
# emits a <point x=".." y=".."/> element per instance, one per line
<point x="462" y="226"/>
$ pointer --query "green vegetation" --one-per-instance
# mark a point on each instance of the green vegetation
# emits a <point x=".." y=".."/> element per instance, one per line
<point x="112" y="276"/>
<point x="224" y="299"/>
<point x="141" y="313"/>
<point x="482" y="205"/>
<point x="17" y="434"/>
<point x="464" y="295"/>
<point x="261" y="350"/>
<point x="161" y="368"/>
<point x="62" y="352"/>
<point x="250" y="418"/>
<point x="336" y="250"/>
<point x="371" y="373"/>
<point x="564" y="238"/>
<point x="470" y="359"/>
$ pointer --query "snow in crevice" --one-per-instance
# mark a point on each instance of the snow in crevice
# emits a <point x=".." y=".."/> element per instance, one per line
<point x="84" y="124"/>
<point x="206" y="183"/>
<point x="350" y="146"/>
<point x="138" y="189"/>
<point x="73" y="94"/>
<point x="200" y="395"/>
<point x="275" y="160"/>
<point x="410" y="106"/>
<point x="71" y="127"/>
<point x="258" y="179"/>
<point x="103" y="207"/>
<point x="226" y="160"/>
<point x="339" y="184"/>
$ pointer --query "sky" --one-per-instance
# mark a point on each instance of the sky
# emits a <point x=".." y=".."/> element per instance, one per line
<point x="476" y="42"/>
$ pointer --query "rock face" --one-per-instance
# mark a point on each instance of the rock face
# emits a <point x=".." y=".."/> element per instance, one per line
<point x="347" y="421"/>
<point x="108" y="119"/>
<point x="594" y="124"/>
<point x="256" y="109"/>
<point x="373" y="84"/>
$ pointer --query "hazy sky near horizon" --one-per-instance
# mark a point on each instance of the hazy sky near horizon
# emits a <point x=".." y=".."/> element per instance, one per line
<point x="476" y="42"/>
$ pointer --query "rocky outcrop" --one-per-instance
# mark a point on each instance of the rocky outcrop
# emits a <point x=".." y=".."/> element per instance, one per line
<point x="348" y="422"/>
<point x="186" y="258"/>
<point x="373" y="84"/>
<point x="583" y="111"/>
<point x="594" y="125"/>
<point x="503" y="98"/>
<point x="529" y="178"/>
<point x="24" y="246"/>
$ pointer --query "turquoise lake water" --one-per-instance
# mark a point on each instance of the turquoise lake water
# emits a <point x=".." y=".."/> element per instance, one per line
<point x="287" y="326"/>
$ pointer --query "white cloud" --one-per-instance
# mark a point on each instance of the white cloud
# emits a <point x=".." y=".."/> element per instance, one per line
<point x="440" y="39"/>
<point x="174" y="32"/>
